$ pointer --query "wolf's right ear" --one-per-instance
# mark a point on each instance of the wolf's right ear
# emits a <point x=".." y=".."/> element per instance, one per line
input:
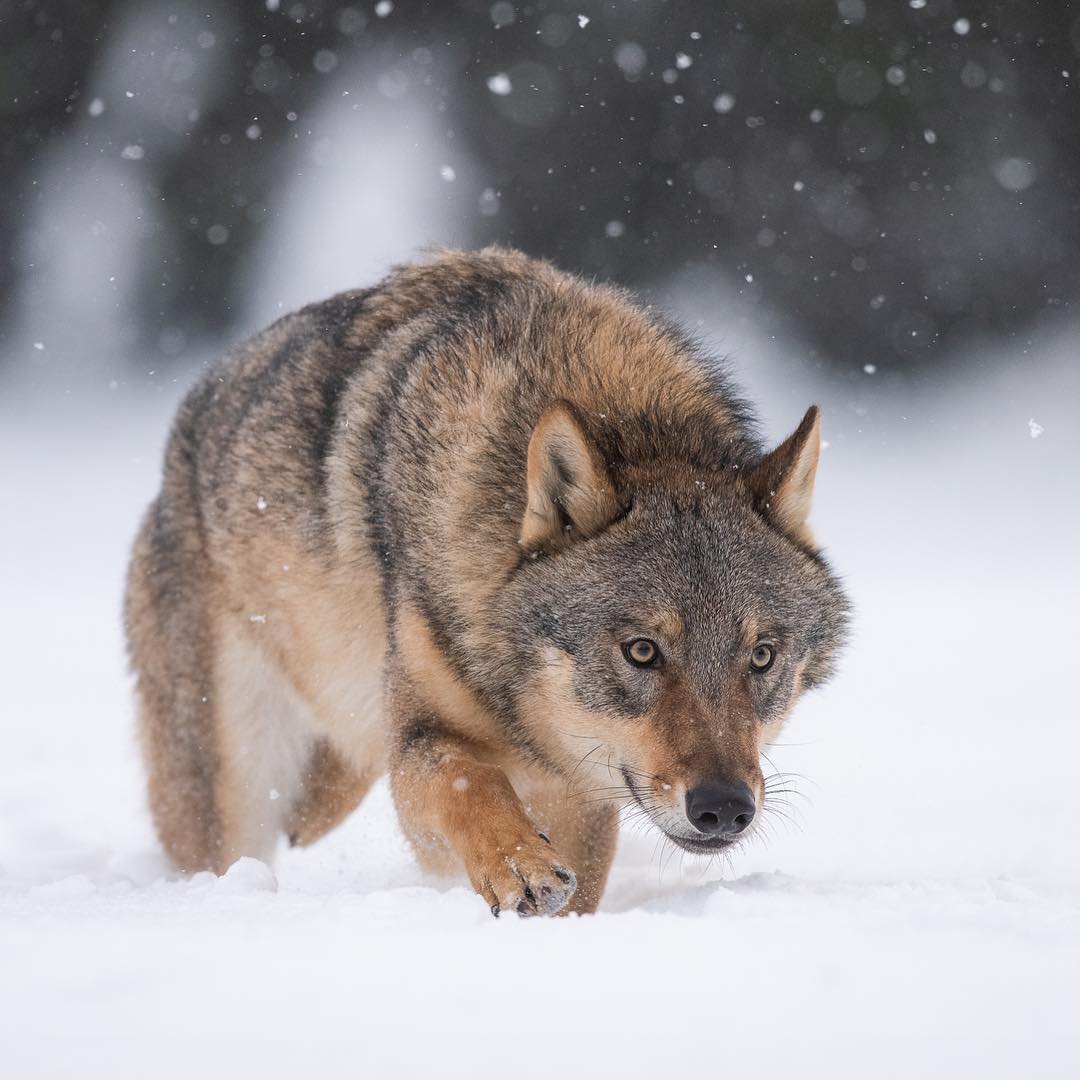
<point x="570" y="495"/>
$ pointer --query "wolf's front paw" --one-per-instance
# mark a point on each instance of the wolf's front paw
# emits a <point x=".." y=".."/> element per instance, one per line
<point x="528" y="878"/>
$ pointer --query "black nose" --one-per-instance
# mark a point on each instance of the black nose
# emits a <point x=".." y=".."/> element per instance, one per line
<point x="720" y="808"/>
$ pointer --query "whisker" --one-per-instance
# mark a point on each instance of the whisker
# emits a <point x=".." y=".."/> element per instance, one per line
<point x="668" y="860"/>
<point x="570" y="781"/>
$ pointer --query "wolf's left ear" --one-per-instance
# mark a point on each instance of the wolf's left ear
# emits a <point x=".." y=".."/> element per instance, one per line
<point x="570" y="495"/>
<point x="783" y="481"/>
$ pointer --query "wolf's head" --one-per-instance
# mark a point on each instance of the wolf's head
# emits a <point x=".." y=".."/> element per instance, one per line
<point x="666" y="623"/>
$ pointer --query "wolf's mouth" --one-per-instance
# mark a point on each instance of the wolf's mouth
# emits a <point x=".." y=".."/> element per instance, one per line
<point x="696" y="845"/>
<point x="699" y="847"/>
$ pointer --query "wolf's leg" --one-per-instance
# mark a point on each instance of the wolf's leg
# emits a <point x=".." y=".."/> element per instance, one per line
<point x="265" y="741"/>
<point x="447" y="798"/>
<point x="586" y="835"/>
<point x="171" y="651"/>
<point x="331" y="790"/>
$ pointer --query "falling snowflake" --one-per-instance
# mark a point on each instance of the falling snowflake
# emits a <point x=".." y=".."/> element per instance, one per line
<point x="1015" y="174"/>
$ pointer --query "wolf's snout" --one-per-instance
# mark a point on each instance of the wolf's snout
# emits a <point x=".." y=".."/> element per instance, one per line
<point x="720" y="808"/>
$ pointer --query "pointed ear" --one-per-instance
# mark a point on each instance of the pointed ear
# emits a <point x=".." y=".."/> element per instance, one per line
<point x="570" y="495"/>
<point x="783" y="481"/>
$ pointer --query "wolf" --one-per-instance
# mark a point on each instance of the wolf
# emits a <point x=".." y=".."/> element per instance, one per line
<point x="505" y="535"/>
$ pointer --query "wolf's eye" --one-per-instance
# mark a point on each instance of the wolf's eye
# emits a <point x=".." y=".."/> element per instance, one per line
<point x="641" y="652"/>
<point x="761" y="659"/>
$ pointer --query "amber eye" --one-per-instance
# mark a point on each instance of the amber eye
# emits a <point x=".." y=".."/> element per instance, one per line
<point x="641" y="652"/>
<point x="761" y="659"/>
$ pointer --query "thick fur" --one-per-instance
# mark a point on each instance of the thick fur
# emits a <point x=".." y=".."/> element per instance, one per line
<point x="413" y="527"/>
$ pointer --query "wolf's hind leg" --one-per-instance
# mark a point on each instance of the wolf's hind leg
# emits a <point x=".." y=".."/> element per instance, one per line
<point x="264" y="744"/>
<point x="331" y="790"/>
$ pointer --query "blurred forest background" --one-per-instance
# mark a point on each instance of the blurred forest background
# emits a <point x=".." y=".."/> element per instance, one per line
<point x="893" y="184"/>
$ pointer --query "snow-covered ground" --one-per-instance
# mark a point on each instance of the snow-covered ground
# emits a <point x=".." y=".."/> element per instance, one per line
<point x="921" y="918"/>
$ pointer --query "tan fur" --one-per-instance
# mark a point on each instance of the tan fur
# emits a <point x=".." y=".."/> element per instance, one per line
<point x="351" y="510"/>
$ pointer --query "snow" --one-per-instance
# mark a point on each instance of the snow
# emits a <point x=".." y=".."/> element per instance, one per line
<point x="920" y="917"/>
<point x="1015" y="174"/>
<point x="324" y="61"/>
